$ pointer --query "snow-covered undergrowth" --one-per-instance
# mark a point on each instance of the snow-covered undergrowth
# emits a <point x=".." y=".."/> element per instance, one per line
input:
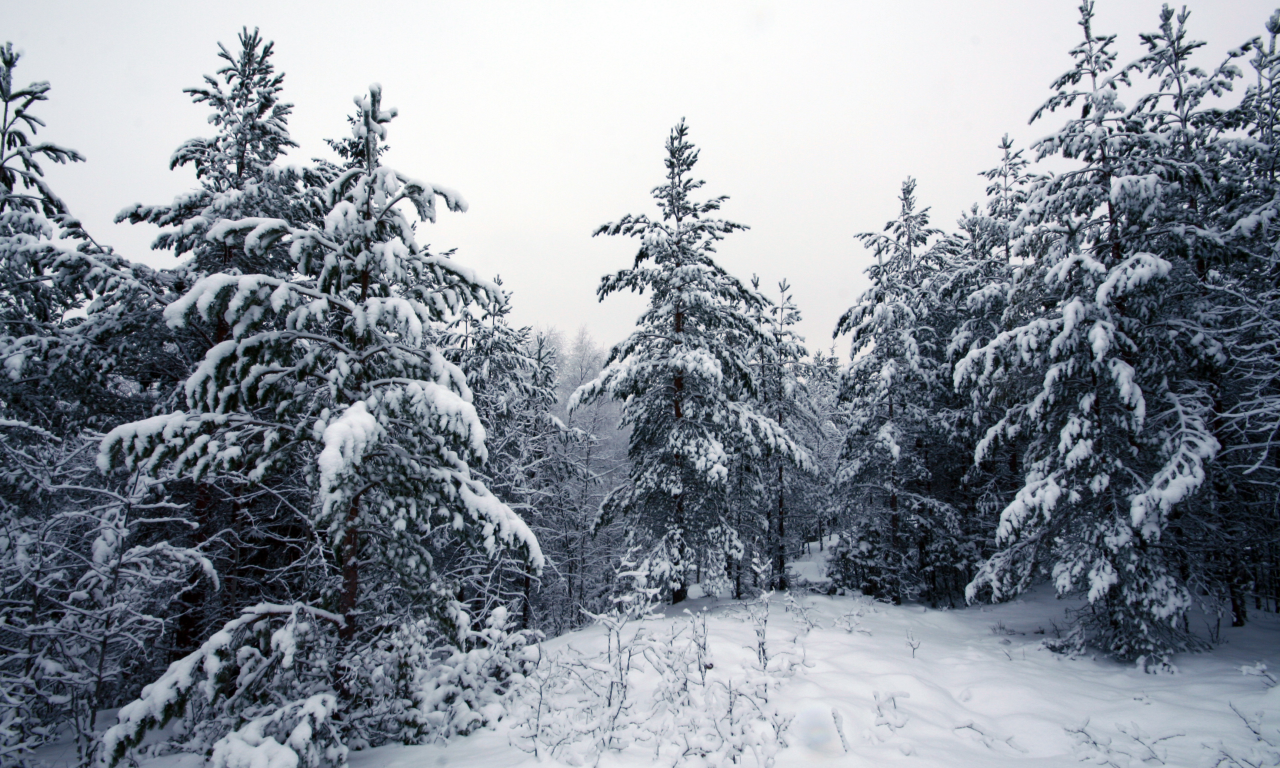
<point x="842" y="680"/>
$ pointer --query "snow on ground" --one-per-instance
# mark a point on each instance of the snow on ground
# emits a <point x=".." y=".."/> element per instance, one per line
<point x="813" y="566"/>
<point x="913" y="686"/>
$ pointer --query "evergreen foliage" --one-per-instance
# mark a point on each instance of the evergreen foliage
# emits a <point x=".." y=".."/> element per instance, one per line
<point x="317" y="472"/>
<point x="685" y="375"/>
<point x="85" y="571"/>
<point x="335" y="368"/>
<point x="1118" y="424"/>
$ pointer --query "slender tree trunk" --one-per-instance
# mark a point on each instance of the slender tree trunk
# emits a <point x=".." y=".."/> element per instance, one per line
<point x="100" y="676"/>
<point x="187" y="632"/>
<point x="1237" y="587"/>
<point x="780" y="551"/>
<point x="526" y="613"/>
<point x="681" y="591"/>
<point x="186" y="636"/>
<point x="350" y="571"/>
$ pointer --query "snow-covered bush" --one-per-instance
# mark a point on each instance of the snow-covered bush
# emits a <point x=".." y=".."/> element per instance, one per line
<point x="846" y="561"/>
<point x="469" y="688"/>
<point x="263" y="683"/>
<point x="279" y="681"/>
<point x="854" y="563"/>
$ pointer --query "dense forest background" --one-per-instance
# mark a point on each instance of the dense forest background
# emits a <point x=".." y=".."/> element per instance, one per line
<point x="314" y="484"/>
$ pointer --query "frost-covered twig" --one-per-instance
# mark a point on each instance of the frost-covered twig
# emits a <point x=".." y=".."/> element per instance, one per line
<point x="1138" y="745"/>
<point x="913" y="643"/>
<point x="988" y="738"/>
<point x="852" y="621"/>
<point x="839" y="721"/>
<point x="1259" y="669"/>
<point x="758" y="611"/>
<point x="797" y="607"/>
<point x="887" y="712"/>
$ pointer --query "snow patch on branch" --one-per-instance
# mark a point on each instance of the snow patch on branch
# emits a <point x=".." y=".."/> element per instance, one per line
<point x="1133" y="272"/>
<point x="345" y="441"/>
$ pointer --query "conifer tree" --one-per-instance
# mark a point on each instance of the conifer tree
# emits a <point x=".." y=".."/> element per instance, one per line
<point x="1121" y="352"/>
<point x="904" y="528"/>
<point x="684" y="375"/>
<point x="783" y="397"/>
<point x="236" y="170"/>
<point x="59" y="374"/>
<point x="337" y="364"/>
<point x="85" y="579"/>
<point x="254" y="528"/>
<point x="1240" y="279"/>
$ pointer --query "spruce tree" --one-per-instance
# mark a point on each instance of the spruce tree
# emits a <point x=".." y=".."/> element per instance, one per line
<point x="685" y="375"/>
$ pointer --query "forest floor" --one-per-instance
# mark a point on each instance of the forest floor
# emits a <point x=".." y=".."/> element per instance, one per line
<point x="970" y="686"/>
<point x="978" y="690"/>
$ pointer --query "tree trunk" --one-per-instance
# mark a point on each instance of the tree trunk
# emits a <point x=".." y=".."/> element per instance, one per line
<point x="350" y="572"/>
<point x="526" y="613"/>
<point x="1238" y="584"/>
<point x="681" y="592"/>
<point x="186" y="636"/>
<point x="780" y="544"/>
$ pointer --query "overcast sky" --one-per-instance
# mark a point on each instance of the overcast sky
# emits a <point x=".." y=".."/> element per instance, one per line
<point x="550" y="117"/>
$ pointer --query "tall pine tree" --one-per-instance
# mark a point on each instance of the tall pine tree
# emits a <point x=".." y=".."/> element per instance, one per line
<point x="1110" y="366"/>
<point x="337" y="364"/>
<point x="685" y="374"/>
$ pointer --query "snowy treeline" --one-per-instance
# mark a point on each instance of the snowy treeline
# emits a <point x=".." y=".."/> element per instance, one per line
<point x="311" y="491"/>
<point x="1079" y="381"/>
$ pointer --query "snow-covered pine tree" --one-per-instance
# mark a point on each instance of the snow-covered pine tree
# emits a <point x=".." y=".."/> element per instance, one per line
<point x="85" y="577"/>
<point x="349" y="374"/>
<point x="1243" y="281"/>
<point x="60" y="374"/>
<point x="255" y="531"/>
<point x="902" y="527"/>
<point x="334" y="367"/>
<point x="684" y="375"/>
<point x="1108" y="371"/>
<point x="236" y="170"/>
<point x="973" y="287"/>
<point x="783" y="397"/>
<point x="30" y="219"/>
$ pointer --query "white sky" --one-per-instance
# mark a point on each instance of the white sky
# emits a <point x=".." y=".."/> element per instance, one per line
<point x="550" y="117"/>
